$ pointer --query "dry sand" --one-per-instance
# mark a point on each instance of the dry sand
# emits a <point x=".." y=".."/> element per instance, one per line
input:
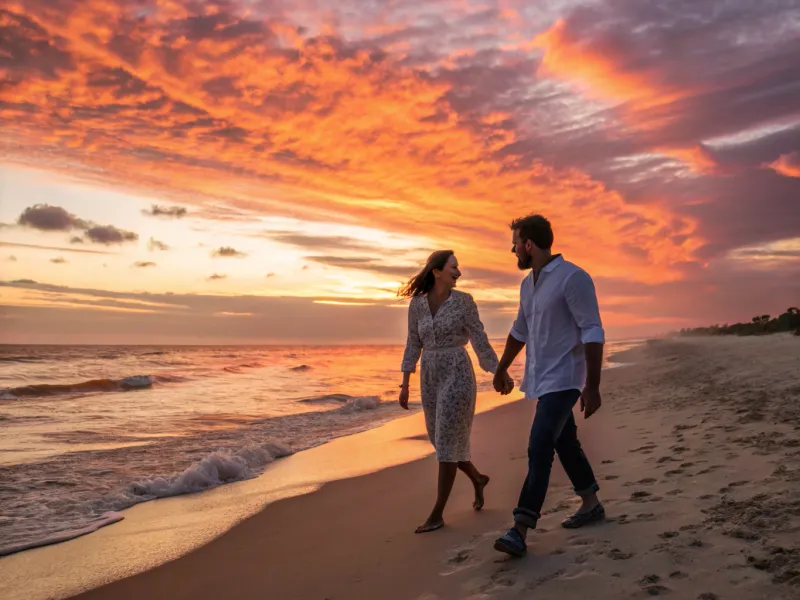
<point x="696" y="449"/>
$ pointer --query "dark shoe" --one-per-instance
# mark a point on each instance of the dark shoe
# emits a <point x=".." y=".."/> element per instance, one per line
<point x="598" y="513"/>
<point x="511" y="543"/>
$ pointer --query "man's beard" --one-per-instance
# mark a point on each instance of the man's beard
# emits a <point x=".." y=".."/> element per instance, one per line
<point x="525" y="263"/>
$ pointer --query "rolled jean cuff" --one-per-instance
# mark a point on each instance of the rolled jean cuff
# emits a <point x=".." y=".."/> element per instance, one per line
<point x="592" y="489"/>
<point x="526" y="517"/>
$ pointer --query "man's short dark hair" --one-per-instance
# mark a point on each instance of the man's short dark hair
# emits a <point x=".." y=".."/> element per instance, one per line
<point x="536" y="229"/>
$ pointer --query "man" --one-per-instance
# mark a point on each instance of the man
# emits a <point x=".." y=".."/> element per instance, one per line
<point x="558" y="323"/>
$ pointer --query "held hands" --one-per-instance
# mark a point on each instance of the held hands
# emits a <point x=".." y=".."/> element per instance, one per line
<point x="403" y="399"/>
<point x="503" y="384"/>
<point x="590" y="401"/>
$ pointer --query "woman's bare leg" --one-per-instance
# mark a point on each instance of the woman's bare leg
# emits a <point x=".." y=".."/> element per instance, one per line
<point x="479" y="481"/>
<point x="447" y="476"/>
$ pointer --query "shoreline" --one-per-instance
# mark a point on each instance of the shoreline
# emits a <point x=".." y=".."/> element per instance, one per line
<point x="115" y="513"/>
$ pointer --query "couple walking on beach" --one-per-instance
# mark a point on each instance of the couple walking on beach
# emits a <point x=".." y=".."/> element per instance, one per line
<point x="558" y="325"/>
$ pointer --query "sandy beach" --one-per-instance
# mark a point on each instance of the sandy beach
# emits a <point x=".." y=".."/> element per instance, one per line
<point x="696" y="451"/>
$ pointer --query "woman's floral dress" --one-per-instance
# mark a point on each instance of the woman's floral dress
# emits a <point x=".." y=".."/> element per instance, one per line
<point x="447" y="379"/>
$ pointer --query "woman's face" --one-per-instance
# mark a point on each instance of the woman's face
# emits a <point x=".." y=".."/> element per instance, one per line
<point x="449" y="275"/>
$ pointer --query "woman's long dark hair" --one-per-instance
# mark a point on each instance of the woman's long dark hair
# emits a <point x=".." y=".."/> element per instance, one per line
<point x="422" y="282"/>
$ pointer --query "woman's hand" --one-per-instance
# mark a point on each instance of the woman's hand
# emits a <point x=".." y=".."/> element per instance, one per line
<point x="403" y="399"/>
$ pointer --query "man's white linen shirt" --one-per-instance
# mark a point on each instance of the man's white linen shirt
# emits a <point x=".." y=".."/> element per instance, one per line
<point x="556" y="317"/>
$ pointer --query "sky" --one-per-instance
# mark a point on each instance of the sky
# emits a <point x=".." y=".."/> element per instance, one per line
<point x="265" y="171"/>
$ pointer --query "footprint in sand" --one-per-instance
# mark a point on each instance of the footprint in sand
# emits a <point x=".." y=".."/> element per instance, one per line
<point x="708" y="596"/>
<point x="617" y="554"/>
<point x="679" y="449"/>
<point x="607" y="462"/>
<point x="678" y="575"/>
<point x="611" y="477"/>
<point x="668" y="535"/>
<point x="653" y="589"/>
<point x="674" y="472"/>
<point x="674" y="492"/>
<point x="545" y="578"/>
<point x="646" y="449"/>
<point x="647" y="481"/>
<point x="642" y="496"/>
<point x="665" y="459"/>
<point x="459" y="557"/>
<point x="583" y="542"/>
<point x="714" y="468"/>
<point x="504" y="577"/>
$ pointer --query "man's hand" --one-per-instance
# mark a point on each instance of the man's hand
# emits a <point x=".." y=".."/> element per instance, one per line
<point x="590" y="401"/>
<point x="499" y="381"/>
<point x="503" y="384"/>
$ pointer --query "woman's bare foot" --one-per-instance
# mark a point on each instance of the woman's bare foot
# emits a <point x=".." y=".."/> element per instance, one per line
<point x="483" y="481"/>
<point x="432" y="524"/>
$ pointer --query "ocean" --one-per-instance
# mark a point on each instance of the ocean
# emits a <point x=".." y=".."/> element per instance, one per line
<point x="88" y="431"/>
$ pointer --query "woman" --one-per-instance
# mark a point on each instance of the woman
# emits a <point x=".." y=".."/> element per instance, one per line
<point x="440" y="321"/>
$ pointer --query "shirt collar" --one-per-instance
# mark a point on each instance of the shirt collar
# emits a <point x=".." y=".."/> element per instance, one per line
<point x="556" y="260"/>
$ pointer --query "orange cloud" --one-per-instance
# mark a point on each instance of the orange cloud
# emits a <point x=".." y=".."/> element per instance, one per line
<point x="698" y="158"/>
<point x="313" y="127"/>
<point x="565" y="56"/>
<point x="787" y="165"/>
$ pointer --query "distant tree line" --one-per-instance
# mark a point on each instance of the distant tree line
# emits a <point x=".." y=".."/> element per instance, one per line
<point x="758" y="325"/>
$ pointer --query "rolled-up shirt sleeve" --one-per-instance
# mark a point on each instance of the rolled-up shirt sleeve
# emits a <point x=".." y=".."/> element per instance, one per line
<point x="582" y="301"/>
<point x="519" y="330"/>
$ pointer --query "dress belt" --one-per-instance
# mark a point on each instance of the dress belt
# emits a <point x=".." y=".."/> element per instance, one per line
<point x="442" y="349"/>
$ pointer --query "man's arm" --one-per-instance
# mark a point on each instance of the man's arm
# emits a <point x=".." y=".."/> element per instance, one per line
<point x="512" y="349"/>
<point x="594" y="364"/>
<point x="582" y="301"/>
<point x="514" y="345"/>
<point x="502" y="383"/>
<point x="518" y="335"/>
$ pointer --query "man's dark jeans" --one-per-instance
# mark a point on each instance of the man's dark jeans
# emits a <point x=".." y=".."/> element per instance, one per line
<point x="553" y="430"/>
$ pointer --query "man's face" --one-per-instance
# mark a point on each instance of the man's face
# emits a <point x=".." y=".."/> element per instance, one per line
<point x="523" y="251"/>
